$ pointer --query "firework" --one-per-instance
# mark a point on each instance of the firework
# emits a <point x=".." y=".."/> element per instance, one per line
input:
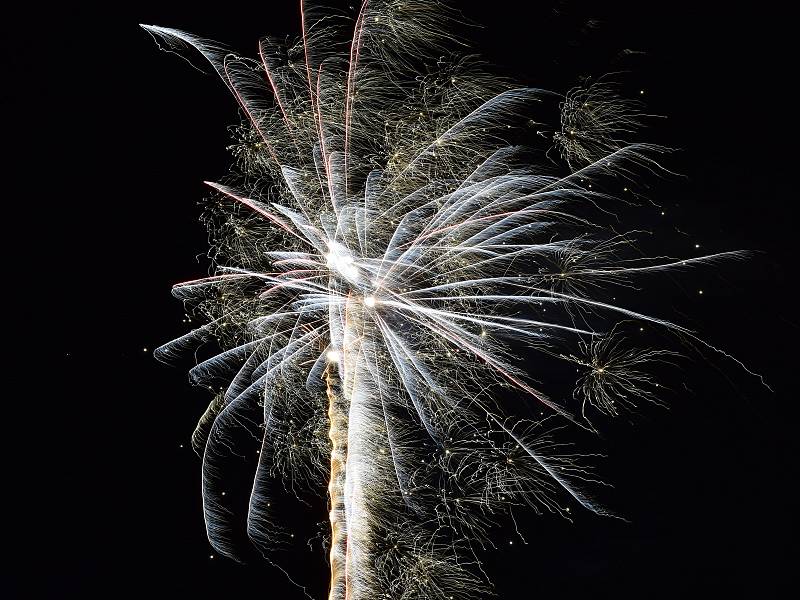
<point x="388" y="258"/>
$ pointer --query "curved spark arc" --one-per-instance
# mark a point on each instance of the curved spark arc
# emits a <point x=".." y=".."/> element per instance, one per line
<point x="385" y="263"/>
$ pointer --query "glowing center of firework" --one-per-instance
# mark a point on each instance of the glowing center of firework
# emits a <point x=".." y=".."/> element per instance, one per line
<point x="369" y="301"/>
<point x="333" y="356"/>
<point x="340" y="260"/>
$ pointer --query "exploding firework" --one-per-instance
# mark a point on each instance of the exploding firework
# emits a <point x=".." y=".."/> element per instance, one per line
<point x="388" y="256"/>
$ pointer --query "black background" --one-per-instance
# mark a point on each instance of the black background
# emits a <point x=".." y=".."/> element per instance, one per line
<point x="109" y="142"/>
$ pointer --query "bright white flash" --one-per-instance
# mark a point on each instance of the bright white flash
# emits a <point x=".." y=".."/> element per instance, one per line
<point x="340" y="260"/>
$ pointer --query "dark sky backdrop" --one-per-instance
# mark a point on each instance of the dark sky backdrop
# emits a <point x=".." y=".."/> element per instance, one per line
<point x="110" y="141"/>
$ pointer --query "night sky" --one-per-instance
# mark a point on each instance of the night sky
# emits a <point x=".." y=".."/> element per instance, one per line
<point x="110" y="140"/>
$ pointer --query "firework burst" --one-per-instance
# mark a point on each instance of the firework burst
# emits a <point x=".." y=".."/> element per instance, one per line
<point x="389" y="258"/>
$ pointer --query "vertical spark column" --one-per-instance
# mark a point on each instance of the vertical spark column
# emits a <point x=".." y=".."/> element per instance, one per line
<point x="350" y="433"/>
<point x="337" y="415"/>
<point x="359" y="471"/>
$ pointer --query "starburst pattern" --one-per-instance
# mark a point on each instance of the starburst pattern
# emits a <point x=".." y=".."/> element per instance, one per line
<point x="616" y="377"/>
<point x="389" y="258"/>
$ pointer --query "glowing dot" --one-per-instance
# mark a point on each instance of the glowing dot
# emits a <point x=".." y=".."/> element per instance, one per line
<point x="144" y="349"/>
<point x="700" y="291"/>
<point x="369" y="301"/>
<point x="333" y="356"/>
<point x="641" y="91"/>
<point x="697" y="245"/>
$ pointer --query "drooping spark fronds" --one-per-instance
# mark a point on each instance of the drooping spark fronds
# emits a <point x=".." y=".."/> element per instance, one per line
<point x="392" y="266"/>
